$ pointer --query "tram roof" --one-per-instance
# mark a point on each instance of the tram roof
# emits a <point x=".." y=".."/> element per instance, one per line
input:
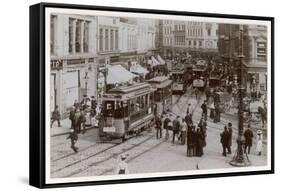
<point x="130" y="88"/>
<point x="160" y="81"/>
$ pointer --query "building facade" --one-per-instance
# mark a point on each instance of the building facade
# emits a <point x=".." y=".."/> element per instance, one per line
<point x="182" y="36"/>
<point x="73" y="59"/>
<point x="254" y="49"/>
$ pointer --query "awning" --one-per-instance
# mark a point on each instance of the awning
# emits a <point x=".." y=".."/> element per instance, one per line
<point x="153" y="62"/>
<point x="118" y="74"/>
<point x="138" y="69"/>
<point x="160" y="59"/>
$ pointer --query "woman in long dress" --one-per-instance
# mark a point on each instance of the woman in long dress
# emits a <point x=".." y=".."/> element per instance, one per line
<point x="259" y="139"/>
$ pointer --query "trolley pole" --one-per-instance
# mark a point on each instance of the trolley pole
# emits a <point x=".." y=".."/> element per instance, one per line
<point x="240" y="158"/>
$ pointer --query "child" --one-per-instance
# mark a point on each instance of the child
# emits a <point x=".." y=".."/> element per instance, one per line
<point x="73" y="138"/>
<point x="122" y="165"/>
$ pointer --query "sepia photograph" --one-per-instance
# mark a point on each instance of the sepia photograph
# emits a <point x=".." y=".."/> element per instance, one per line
<point x="141" y="95"/>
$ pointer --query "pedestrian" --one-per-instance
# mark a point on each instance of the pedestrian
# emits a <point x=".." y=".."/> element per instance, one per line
<point x="183" y="132"/>
<point x="191" y="141"/>
<point x="248" y="134"/>
<point x="73" y="139"/>
<point x="188" y="110"/>
<point x="212" y="110"/>
<point x="82" y="121"/>
<point x="217" y="114"/>
<point x="158" y="124"/>
<point x="122" y="165"/>
<point x="76" y="105"/>
<point x="167" y="126"/>
<point x="77" y="121"/>
<point x="203" y="128"/>
<point x="262" y="113"/>
<point x="204" y="109"/>
<point x="229" y="128"/>
<point x="176" y="127"/>
<point x="55" y="116"/>
<point x="199" y="138"/>
<point x="71" y="116"/>
<point x="259" y="139"/>
<point x="188" y="120"/>
<point x="224" y="140"/>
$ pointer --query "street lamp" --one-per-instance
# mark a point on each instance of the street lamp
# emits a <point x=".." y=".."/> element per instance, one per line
<point x="240" y="158"/>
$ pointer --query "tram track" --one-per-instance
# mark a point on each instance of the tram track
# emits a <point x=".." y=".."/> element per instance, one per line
<point x="107" y="158"/>
<point x="92" y="146"/>
<point x="86" y="156"/>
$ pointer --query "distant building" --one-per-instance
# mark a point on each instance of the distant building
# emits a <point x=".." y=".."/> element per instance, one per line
<point x="73" y="59"/>
<point x="182" y="36"/>
<point x="254" y="50"/>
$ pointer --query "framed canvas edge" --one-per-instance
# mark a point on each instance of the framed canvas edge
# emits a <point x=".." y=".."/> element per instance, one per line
<point x="37" y="95"/>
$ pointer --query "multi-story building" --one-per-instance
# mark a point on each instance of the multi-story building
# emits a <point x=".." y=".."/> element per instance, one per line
<point x="73" y="59"/>
<point x="253" y="46"/>
<point x="108" y="39"/>
<point x="128" y="39"/>
<point x="180" y="36"/>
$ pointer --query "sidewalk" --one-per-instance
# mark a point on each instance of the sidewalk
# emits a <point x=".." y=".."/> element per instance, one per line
<point x="64" y="129"/>
<point x="219" y="162"/>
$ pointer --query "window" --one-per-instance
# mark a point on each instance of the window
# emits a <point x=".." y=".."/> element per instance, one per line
<point x="101" y="40"/>
<point x="200" y="43"/>
<point x="70" y="35"/>
<point x="86" y="37"/>
<point x="261" y="50"/>
<point x="194" y="43"/>
<point x="78" y="36"/>
<point x="111" y="39"/>
<point x="189" y="42"/>
<point x="116" y="40"/>
<point x="52" y="35"/>
<point x="106" y="39"/>
<point x="209" y="32"/>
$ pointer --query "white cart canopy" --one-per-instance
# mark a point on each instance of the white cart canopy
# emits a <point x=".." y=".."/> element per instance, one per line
<point x="118" y="74"/>
<point x="138" y="69"/>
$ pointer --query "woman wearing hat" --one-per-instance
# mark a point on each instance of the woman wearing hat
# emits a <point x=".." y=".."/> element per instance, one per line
<point x="259" y="142"/>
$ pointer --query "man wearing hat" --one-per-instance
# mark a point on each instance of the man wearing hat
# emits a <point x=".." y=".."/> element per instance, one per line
<point x="55" y="116"/>
<point x="248" y="134"/>
<point x="122" y="165"/>
<point x="158" y="124"/>
<point x="73" y="139"/>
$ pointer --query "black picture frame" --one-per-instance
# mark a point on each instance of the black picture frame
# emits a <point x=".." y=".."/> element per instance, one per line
<point x="37" y="94"/>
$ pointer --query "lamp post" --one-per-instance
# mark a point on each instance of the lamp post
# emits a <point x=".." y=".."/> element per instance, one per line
<point x="240" y="159"/>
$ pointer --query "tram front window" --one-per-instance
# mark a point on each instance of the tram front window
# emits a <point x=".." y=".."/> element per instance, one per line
<point x="118" y="109"/>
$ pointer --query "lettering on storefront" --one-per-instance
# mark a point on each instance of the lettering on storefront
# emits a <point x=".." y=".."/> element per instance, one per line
<point x="56" y="64"/>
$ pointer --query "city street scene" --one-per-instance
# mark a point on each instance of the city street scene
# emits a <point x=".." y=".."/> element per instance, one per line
<point x="138" y="95"/>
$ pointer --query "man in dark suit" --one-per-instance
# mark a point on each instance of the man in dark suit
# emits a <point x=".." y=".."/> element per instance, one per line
<point x="55" y="116"/>
<point x="224" y="140"/>
<point x="230" y="138"/>
<point x="248" y="134"/>
<point x="176" y="127"/>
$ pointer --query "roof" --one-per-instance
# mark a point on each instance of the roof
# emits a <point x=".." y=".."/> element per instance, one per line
<point x="160" y="81"/>
<point x="138" y="69"/>
<point x="118" y="74"/>
<point x="130" y="88"/>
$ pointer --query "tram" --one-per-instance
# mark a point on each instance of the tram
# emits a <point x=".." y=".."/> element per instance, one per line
<point x="180" y="76"/>
<point x="163" y="94"/>
<point x="127" y="110"/>
<point x="199" y="71"/>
